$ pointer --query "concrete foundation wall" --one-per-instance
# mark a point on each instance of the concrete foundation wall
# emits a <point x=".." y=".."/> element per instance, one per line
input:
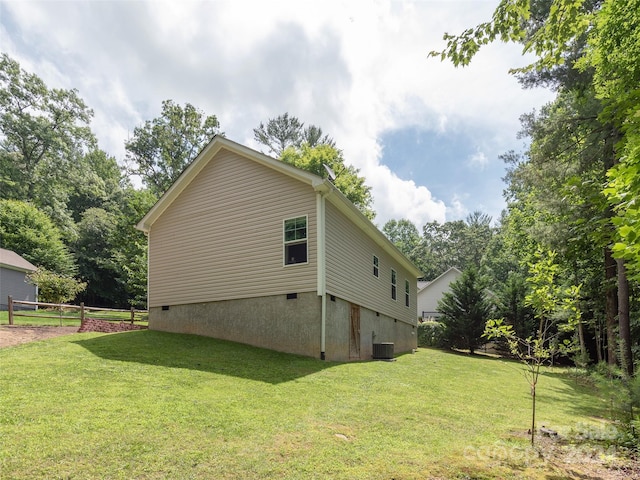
<point x="374" y="328"/>
<point x="286" y="325"/>
<point x="274" y="322"/>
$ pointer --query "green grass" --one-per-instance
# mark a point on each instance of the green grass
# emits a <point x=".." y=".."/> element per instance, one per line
<point x="41" y="317"/>
<point x="155" y="405"/>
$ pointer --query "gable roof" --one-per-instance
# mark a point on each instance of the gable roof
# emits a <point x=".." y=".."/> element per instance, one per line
<point x="13" y="261"/>
<point x="319" y="184"/>
<point x="438" y="278"/>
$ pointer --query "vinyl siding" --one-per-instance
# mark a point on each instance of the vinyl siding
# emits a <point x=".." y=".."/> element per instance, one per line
<point x="222" y="237"/>
<point x="349" y="265"/>
<point x="430" y="295"/>
<point x="14" y="283"/>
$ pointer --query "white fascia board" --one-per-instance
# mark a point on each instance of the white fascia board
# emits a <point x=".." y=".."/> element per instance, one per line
<point x="204" y="157"/>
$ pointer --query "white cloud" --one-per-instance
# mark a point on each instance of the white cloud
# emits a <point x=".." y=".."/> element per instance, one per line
<point x="456" y="209"/>
<point x="357" y="69"/>
<point x="478" y="160"/>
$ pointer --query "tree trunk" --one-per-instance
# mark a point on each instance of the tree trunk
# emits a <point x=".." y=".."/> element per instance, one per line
<point x="599" y="344"/>
<point x="623" y="319"/>
<point x="533" y="414"/>
<point x="611" y="306"/>
<point x="584" y="357"/>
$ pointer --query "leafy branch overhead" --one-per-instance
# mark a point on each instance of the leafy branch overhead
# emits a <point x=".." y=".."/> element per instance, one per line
<point x="563" y="24"/>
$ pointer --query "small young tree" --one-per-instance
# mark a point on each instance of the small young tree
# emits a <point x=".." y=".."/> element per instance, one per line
<point x="556" y="311"/>
<point x="55" y="288"/>
<point x="465" y="310"/>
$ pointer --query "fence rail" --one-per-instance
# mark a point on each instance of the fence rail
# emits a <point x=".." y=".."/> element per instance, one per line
<point x="62" y="306"/>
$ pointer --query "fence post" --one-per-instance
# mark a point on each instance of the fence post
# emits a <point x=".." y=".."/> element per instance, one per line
<point x="81" y="314"/>
<point x="133" y="314"/>
<point x="10" y="310"/>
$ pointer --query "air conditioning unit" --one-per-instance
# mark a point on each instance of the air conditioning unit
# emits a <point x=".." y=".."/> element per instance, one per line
<point x="383" y="351"/>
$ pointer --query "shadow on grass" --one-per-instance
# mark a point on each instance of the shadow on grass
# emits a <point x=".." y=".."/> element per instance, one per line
<point x="193" y="352"/>
<point x="574" y="397"/>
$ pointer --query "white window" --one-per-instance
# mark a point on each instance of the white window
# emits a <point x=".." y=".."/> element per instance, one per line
<point x="376" y="267"/>
<point x="394" y="284"/>
<point x="295" y="240"/>
<point x="406" y="293"/>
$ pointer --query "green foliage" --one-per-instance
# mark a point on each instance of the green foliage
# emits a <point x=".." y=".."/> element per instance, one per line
<point x="112" y="254"/>
<point x="556" y="196"/>
<point x="512" y="307"/>
<point x="347" y="179"/>
<point x="623" y="190"/>
<point x="96" y="182"/>
<point x="556" y="310"/>
<point x="163" y="147"/>
<point x="430" y="334"/>
<point x="44" y="135"/>
<point x="94" y="253"/>
<point x="55" y="288"/>
<point x="130" y="245"/>
<point x="565" y="23"/>
<point x="405" y="236"/>
<point x="286" y="131"/>
<point x="621" y="394"/>
<point x="465" y="309"/>
<point x="30" y="233"/>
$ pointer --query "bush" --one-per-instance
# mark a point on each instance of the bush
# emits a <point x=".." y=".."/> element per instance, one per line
<point x="55" y="288"/>
<point x="622" y="395"/>
<point x="430" y="334"/>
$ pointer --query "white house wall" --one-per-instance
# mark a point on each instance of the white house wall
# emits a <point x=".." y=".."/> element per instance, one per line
<point x="222" y="237"/>
<point x="429" y="296"/>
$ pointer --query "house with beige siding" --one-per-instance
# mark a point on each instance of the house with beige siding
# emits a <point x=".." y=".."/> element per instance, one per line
<point x="246" y="248"/>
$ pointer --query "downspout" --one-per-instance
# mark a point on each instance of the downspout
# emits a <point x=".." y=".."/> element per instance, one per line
<point x="148" y="235"/>
<point x="322" y="272"/>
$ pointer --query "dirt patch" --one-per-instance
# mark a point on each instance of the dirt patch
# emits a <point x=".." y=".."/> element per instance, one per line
<point x="15" y="335"/>
<point x="581" y="461"/>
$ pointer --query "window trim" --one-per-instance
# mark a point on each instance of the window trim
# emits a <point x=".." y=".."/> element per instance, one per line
<point x="407" y="291"/>
<point x="376" y="266"/>
<point x="394" y="285"/>
<point x="297" y="241"/>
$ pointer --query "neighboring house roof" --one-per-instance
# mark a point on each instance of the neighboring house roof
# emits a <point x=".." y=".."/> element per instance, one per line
<point x="431" y="292"/>
<point x="13" y="261"/>
<point x="319" y="184"/>
<point x="432" y="282"/>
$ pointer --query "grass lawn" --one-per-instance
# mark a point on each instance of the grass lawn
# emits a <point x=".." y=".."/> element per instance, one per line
<point x="154" y="405"/>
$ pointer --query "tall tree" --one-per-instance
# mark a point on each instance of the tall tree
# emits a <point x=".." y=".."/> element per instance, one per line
<point x="600" y="37"/>
<point x="30" y="233"/>
<point x="163" y="147"/>
<point x="465" y="310"/>
<point x="43" y="135"/>
<point x="286" y="131"/>
<point x="94" y="253"/>
<point x="348" y="180"/>
<point x="406" y="237"/>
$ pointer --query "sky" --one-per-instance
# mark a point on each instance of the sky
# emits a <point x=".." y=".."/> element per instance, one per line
<point x="426" y="136"/>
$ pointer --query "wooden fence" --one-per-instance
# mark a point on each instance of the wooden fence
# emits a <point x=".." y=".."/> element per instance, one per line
<point x="61" y="307"/>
